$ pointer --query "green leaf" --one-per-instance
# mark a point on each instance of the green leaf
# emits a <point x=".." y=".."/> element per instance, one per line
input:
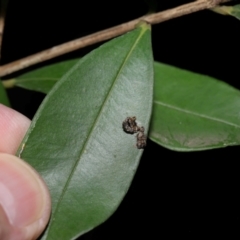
<point x="192" y="111"/>
<point x="76" y="141"/>
<point x="235" y="11"/>
<point x="42" y="79"/>
<point x="228" y="10"/>
<point x="3" y="95"/>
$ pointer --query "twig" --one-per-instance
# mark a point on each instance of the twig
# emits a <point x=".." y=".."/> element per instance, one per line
<point x="107" y="34"/>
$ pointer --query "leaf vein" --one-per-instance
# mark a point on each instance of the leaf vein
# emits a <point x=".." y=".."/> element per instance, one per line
<point x="196" y="114"/>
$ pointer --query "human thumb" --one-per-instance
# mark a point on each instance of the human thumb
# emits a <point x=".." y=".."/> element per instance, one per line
<point x="24" y="200"/>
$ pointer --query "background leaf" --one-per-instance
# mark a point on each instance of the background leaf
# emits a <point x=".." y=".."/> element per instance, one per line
<point x="76" y="141"/>
<point x="235" y="11"/>
<point x="229" y="10"/>
<point x="192" y="111"/>
<point x="3" y="96"/>
<point x="41" y="79"/>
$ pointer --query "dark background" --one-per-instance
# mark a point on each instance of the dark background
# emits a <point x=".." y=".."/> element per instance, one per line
<point x="173" y="194"/>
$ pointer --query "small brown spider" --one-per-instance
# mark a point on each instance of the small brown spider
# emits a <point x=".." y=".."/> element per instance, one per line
<point x="141" y="139"/>
<point x="130" y="126"/>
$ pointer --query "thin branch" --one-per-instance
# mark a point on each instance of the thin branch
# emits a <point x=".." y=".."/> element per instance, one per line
<point x="107" y="34"/>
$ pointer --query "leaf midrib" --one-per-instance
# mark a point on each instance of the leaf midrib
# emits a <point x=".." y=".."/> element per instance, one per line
<point x="196" y="114"/>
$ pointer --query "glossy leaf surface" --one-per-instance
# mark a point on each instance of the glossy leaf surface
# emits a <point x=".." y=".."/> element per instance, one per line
<point x="76" y="141"/>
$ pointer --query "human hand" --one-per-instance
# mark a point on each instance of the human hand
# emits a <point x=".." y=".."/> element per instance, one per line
<point x="25" y="203"/>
